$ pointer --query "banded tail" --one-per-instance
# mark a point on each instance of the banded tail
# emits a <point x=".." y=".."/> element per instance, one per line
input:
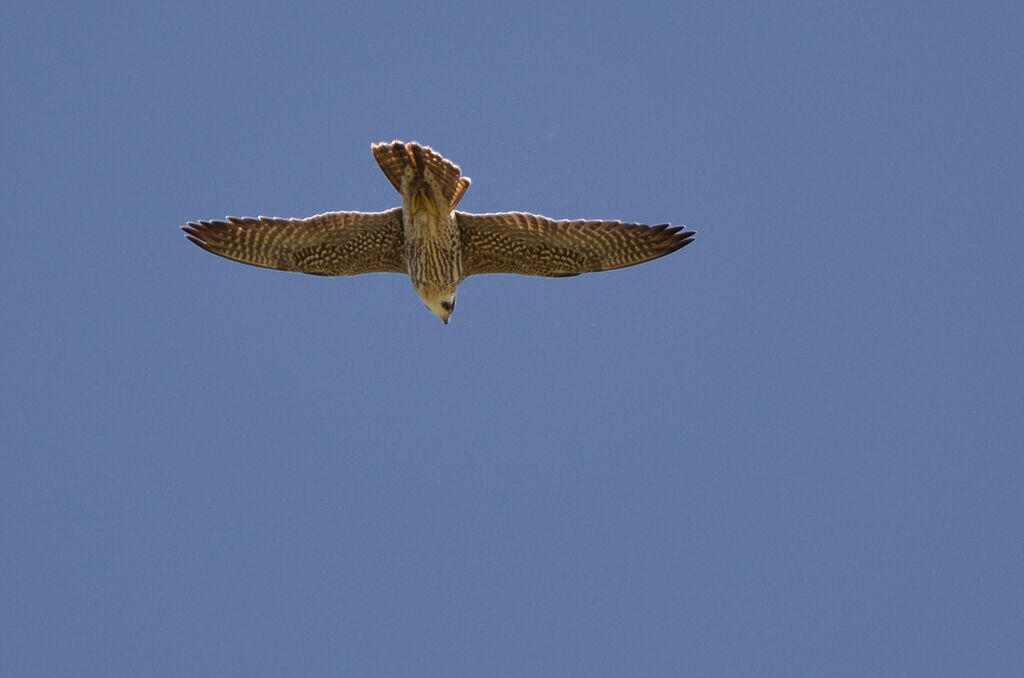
<point x="412" y="168"/>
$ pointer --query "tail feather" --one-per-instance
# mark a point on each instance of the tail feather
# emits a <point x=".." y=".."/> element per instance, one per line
<point x="411" y="167"/>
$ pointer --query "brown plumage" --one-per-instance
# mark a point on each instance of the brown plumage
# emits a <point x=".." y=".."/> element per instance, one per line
<point x="335" y="243"/>
<point x="514" y="242"/>
<point x="431" y="242"/>
<point x="401" y="161"/>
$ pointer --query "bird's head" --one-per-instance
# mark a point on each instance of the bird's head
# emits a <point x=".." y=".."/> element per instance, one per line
<point x="439" y="299"/>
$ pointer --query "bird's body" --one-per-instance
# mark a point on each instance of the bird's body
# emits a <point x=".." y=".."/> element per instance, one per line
<point x="426" y="238"/>
<point x="430" y="187"/>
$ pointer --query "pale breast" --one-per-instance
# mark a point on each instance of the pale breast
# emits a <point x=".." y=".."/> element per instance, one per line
<point x="433" y="254"/>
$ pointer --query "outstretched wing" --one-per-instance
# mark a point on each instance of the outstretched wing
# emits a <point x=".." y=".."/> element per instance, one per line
<point x="515" y="242"/>
<point x="334" y="243"/>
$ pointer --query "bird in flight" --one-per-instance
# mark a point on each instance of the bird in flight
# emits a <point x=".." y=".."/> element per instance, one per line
<point x="431" y="242"/>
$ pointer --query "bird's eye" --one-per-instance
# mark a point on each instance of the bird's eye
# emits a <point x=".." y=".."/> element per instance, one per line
<point x="448" y="306"/>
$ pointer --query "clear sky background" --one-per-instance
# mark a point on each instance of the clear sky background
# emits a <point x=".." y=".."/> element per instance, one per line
<point x="793" y="448"/>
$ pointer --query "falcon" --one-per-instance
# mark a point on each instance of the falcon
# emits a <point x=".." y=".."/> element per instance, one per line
<point x="431" y="242"/>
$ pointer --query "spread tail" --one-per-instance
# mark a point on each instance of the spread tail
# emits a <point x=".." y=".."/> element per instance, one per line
<point x="412" y="168"/>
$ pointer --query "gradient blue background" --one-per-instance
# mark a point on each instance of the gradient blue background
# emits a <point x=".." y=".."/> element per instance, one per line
<point x="793" y="448"/>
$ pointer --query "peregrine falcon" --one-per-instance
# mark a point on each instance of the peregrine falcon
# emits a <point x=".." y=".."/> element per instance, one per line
<point x="431" y="242"/>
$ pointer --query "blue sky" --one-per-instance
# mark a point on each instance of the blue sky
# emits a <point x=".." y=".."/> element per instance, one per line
<point x="792" y="448"/>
